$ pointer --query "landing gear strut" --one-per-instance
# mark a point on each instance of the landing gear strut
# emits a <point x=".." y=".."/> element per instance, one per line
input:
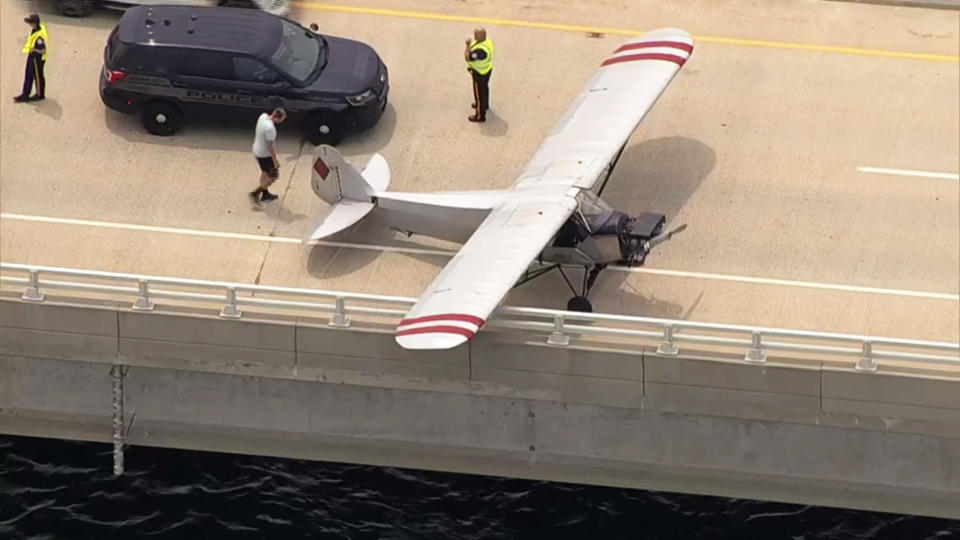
<point x="579" y="302"/>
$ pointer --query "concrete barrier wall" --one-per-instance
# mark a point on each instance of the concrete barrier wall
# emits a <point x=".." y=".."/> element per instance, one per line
<point x="791" y="430"/>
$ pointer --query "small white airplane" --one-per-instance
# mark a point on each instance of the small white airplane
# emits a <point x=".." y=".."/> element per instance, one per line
<point x="552" y="214"/>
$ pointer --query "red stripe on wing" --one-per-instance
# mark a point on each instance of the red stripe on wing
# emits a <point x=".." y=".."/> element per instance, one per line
<point x="648" y="44"/>
<point x="644" y="56"/>
<point x="439" y="329"/>
<point x="472" y="319"/>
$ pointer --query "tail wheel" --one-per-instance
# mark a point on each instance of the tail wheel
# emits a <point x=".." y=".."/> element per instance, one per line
<point x="161" y="118"/>
<point x="579" y="303"/>
<point x="323" y="128"/>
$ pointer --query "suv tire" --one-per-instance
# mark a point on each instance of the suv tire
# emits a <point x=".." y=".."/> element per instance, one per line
<point x="161" y="118"/>
<point x="323" y="128"/>
<point x="237" y="4"/>
<point x="77" y="8"/>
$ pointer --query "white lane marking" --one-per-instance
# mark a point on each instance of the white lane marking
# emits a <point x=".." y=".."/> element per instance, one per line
<point x="789" y="283"/>
<point x="905" y="172"/>
<point x="218" y="234"/>
<point x="446" y="253"/>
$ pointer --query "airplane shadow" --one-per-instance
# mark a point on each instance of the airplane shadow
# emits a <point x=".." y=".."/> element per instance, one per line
<point x="550" y="291"/>
<point x="659" y="175"/>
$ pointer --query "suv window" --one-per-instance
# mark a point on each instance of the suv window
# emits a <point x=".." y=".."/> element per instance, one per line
<point x="252" y="70"/>
<point x="207" y="64"/>
<point x="138" y="59"/>
<point x="299" y="52"/>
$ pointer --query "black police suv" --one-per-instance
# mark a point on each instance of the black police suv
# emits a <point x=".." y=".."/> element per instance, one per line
<point x="167" y="62"/>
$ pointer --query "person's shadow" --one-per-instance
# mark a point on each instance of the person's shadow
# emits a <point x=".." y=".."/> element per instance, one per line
<point x="49" y="108"/>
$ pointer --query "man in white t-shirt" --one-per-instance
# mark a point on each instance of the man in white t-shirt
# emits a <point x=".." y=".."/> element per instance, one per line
<point x="265" y="150"/>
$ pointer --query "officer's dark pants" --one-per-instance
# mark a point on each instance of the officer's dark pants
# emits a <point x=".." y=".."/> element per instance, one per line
<point x="481" y="92"/>
<point x="34" y="74"/>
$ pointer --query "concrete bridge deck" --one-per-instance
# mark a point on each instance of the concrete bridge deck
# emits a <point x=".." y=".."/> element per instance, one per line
<point x="757" y="144"/>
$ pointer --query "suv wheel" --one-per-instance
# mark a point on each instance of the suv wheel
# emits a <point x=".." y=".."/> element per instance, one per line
<point x="161" y="118"/>
<point x="238" y="4"/>
<point x="323" y="128"/>
<point x="77" y="8"/>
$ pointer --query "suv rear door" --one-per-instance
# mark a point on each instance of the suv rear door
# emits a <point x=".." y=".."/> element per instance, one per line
<point x="206" y="77"/>
<point x="224" y="79"/>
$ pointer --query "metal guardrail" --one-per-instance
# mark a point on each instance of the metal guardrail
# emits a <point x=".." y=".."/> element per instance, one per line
<point x="560" y="326"/>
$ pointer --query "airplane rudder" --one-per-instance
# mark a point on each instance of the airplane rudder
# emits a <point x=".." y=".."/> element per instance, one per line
<point x="324" y="177"/>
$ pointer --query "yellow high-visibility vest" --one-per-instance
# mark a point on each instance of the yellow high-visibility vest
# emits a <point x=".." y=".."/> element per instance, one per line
<point x="482" y="66"/>
<point x="32" y="40"/>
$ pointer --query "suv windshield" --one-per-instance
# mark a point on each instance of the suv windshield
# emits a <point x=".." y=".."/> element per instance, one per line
<point x="299" y="52"/>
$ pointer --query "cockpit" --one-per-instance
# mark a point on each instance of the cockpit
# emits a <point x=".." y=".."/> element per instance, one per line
<point x="592" y="217"/>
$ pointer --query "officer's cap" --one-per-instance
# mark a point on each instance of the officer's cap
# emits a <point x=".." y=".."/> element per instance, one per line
<point x="33" y="18"/>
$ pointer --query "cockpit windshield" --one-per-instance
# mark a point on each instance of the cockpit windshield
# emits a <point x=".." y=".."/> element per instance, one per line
<point x="592" y="210"/>
<point x="299" y="53"/>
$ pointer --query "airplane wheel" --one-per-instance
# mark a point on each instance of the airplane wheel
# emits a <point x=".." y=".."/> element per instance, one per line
<point x="579" y="303"/>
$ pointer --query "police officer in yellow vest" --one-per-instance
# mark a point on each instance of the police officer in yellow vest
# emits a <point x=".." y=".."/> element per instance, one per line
<point x="36" y="51"/>
<point x="479" y="57"/>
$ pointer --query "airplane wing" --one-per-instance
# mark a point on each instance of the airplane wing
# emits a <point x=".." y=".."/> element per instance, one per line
<point x="605" y="114"/>
<point x="596" y="126"/>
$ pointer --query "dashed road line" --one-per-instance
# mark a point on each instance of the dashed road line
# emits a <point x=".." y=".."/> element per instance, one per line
<point x="909" y="172"/>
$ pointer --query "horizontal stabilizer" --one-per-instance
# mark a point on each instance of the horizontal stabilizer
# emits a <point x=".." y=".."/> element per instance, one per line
<point x="337" y="218"/>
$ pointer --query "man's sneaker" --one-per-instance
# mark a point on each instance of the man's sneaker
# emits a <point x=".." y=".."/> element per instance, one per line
<point x="476" y="118"/>
<point x="20" y="99"/>
<point x="35" y="98"/>
<point x="254" y="196"/>
<point x="267" y="197"/>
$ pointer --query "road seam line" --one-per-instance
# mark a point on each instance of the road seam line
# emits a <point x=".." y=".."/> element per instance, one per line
<point x="447" y="253"/>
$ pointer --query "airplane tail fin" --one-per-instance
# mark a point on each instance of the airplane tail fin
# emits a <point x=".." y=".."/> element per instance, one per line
<point x="333" y="179"/>
<point x="349" y="192"/>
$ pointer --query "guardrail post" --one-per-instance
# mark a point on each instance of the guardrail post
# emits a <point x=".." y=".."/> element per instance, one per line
<point x="33" y="294"/>
<point x="143" y="302"/>
<point x="866" y="362"/>
<point x="117" y="373"/>
<point x="340" y="319"/>
<point x="230" y="310"/>
<point x="756" y="354"/>
<point x="667" y="346"/>
<point x="558" y="337"/>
